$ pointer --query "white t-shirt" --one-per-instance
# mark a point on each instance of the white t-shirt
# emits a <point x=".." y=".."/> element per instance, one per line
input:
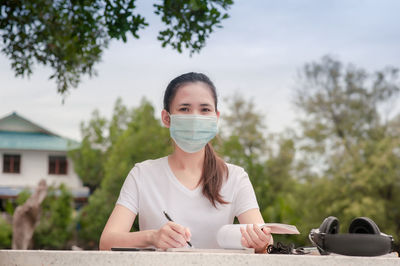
<point x="151" y="188"/>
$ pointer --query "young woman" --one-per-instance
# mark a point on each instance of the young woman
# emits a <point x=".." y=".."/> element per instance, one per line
<point x="193" y="185"/>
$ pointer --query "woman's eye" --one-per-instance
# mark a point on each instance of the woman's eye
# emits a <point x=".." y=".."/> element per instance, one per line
<point x="184" y="109"/>
<point x="206" y="110"/>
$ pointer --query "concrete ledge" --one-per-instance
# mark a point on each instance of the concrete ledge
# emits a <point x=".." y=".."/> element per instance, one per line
<point x="100" y="258"/>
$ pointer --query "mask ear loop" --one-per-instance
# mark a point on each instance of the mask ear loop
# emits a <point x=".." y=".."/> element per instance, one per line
<point x="169" y="117"/>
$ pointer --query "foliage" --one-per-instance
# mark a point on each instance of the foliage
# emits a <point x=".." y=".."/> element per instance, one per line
<point x="269" y="168"/>
<point x="343" y="126"/>
<point x="5" y="234"/>
<point x="245" y="125"/>
<point x="342" y="105"/>
<point x="23" y="196"/>
<point x="90" y="156"/>
<point x="70" y="36"/>
<point x="9" y="206"/>
<point x="56" y="222"/>
<point x="345" y="160"/>
<point x="99" y="135"/>
<point x="56" y="225"/>
<point x="141" y="137"/>
<point x="5" y="225"/>
<point x="200" y="16"/>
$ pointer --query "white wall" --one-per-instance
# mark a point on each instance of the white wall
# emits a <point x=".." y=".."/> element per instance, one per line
<point x="34" y="166"/>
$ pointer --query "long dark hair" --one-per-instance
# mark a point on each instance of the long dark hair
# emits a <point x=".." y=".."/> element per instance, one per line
<point x="214" y="168"/>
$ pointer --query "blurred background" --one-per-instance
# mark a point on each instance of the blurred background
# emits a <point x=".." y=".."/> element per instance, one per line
<point x="308" y="95"/>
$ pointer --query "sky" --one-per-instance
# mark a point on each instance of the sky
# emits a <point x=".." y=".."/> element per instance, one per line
<point x="258" y="52"/>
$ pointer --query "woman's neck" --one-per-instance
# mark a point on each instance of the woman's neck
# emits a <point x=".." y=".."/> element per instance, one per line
<point x="185" y="161"/>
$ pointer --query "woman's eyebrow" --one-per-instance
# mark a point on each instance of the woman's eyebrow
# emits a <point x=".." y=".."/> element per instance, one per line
<point x="202" y="104"/>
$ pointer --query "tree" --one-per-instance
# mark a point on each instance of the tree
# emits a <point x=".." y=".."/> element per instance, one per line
<point x="243" y="140"/>
<point x="141" y="137"/>
<point x="268" y="163"/>
<point x="5" y="233"/>
<point x="343" y="123"/>
<point x="70" y="35"/>
<point x="341" y="106"/>
<point x="98" y="136"/>
<point x="243" y="131"/>
<point x="90" y="156"/>
<point x="56" y="223"/>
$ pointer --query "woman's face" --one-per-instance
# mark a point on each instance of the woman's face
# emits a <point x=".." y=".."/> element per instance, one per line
<point x="193" y="98"/>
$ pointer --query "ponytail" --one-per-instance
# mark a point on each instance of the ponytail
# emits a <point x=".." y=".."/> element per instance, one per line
<point x="213" y="175"/>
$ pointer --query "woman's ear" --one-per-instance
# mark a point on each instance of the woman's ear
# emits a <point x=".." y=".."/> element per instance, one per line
<point x="218" y="114"/>
<point x="165" y="118"/>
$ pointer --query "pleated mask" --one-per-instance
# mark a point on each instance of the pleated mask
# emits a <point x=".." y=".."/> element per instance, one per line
<point x="192" y="132"/>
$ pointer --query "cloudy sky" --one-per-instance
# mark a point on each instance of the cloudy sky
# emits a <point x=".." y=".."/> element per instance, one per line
<point x="257" y="52"/>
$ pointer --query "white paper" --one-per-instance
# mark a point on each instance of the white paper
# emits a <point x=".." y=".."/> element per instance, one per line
<point x="229" y="235"/>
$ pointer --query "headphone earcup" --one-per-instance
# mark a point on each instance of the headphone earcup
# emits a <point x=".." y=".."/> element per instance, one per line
<point x="363" y="225"/>
<point x="330" y="225"/>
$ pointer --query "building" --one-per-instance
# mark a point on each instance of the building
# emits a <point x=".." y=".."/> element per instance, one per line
<point x="30" y="153"/>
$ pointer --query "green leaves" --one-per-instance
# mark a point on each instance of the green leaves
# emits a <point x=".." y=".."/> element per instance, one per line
<point x="189" y="23"/>
<point x="5" y="234"/>
<point x="63" y="35"/>
<point x="342" y="105"/>
<point x="120" y="19"/>
<point x="90" y="156"/>
<point x="70" y="36"/>
<point x="56" y="223"/>
<point x="133" y="135"/>
<point x="245" y="122"/>
<point x="268" y="164"/>
<point x="358" y="147"/>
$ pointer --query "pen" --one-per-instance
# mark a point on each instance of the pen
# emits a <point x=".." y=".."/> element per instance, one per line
<point x="169" y="219"/>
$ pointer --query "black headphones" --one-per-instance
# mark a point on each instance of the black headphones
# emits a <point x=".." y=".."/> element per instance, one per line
<point x="364" y="238"/>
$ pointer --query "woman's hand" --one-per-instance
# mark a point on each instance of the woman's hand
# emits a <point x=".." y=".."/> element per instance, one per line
<point x="171" y="235"/>
<point x="254" y="237"/>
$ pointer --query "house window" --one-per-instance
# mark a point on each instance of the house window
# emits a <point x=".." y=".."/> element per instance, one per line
<point x="11" y="163"/>
<point x="58" y="165"/>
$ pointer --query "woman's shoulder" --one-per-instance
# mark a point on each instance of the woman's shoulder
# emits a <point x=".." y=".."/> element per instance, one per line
<point x="151" y="163"/>
<point x="148" y="165"/>
<point x="237" y="177"/>
<point x="235" y="171"/>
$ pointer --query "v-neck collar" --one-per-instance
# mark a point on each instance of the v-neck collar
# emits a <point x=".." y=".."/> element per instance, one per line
<point x="178" y="184"/>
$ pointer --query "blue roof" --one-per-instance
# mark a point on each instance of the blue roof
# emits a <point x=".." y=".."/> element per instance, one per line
<point x="35" y="141"/>
<point x="13" y="192"/>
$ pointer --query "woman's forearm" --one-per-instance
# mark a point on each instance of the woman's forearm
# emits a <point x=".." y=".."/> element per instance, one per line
<point x="138" y="239"/>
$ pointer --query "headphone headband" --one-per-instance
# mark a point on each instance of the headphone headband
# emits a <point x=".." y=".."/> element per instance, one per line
<point x="328" y="240"/>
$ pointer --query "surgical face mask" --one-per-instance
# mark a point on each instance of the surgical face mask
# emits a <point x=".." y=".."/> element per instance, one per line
<point x="192" y="132"/>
